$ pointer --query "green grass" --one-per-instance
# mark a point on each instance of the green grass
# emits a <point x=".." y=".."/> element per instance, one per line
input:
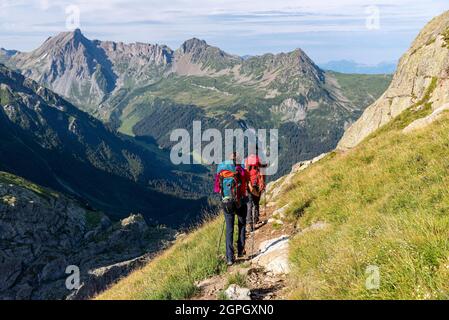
<point x="8" y="178"/>
<point x="387" y="204"/>
<point x="222" y="296"/>
<point x="93" y="218"/>
<point x="173" y="274"/>
<point x="362" y="90"/>
<point x="237" y="279"/>
<point x="200" y="91"/>
<point x="5" y="97"/>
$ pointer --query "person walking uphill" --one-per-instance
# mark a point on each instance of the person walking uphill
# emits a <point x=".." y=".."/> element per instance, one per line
<point x="256" y="186"/>
<point x="230" y="182"/>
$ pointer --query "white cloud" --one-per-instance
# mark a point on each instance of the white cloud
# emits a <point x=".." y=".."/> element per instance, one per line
<point x="173" y="21"/>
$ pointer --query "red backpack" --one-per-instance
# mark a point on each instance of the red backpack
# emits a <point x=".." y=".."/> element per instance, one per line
<point x="253" y="165"/>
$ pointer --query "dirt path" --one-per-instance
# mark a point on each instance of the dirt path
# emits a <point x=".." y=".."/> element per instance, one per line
<point x="262" y="276"/>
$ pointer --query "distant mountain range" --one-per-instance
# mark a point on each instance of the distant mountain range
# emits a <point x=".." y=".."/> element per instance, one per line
<point x="349" y="66"/>
<point x="147" y="90"/>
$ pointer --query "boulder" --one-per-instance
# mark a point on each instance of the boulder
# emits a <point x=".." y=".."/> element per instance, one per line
<point x="273" y="255"/>
<point x="234" y="292"/>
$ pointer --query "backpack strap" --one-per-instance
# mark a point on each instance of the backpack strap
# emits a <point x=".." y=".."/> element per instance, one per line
<point x="221" y="185"/>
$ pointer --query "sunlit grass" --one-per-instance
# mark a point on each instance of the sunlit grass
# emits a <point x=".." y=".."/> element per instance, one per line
<point x="387" y="203"/>
<point x="172" y="275"/>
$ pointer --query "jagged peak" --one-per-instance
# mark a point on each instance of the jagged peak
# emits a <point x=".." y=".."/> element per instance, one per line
<point x="61" y="39"/>
<point x="7" y="52"/>
<point x="209" y="56"/>
<point x="194" y="44"/>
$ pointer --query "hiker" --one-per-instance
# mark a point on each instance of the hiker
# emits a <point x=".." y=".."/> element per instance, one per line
<point x="230" y="182"/>
<point x="256" y="186"/>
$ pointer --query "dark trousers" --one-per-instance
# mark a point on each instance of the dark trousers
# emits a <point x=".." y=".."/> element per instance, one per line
<point x="252" y="216"/>
<point x="230" y="211"/>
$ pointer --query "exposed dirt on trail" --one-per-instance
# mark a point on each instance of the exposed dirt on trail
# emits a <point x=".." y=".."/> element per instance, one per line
<point x="262" y="283"/>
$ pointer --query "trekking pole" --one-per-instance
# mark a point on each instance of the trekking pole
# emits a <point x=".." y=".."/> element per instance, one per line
<point x="219" y="245"/>
<point x="265" y="205"/>
<point x="254" y="233"/>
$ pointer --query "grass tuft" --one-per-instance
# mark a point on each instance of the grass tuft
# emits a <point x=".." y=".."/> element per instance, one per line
<point x="237" y="279"/>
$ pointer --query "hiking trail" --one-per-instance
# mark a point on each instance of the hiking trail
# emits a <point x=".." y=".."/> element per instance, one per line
<point x="262" y="276"/>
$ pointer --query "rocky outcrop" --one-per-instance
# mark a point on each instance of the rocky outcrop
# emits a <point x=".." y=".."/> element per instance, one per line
<point x="424" y="122"/>
<point x="196" y="57"/>
<point x="5" y="55"/>
<point x="290" y="110"/>
<point x="422" y="77"/>
<point x="42" y="233"/>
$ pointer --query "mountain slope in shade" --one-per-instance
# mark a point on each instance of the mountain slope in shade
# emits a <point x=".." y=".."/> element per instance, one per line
<point x="49" y="141"/>
<point x="43" y="232"/>
<point x="421" y="81"/>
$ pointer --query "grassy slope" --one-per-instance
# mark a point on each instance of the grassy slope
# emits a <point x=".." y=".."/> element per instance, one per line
<point x="173" y="273"/>
<point x="386" y="203"/>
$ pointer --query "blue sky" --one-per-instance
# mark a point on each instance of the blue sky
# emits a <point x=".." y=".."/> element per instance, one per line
<point x="326" y="30"/>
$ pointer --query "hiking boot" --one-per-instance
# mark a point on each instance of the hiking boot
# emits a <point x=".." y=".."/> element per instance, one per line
<point x="241" y="254"/>
<point x="230" y="263"/>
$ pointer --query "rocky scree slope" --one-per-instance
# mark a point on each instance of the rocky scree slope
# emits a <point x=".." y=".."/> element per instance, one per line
<point x="43" y="232"/>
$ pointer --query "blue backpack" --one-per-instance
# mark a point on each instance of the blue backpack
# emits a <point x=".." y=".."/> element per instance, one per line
<point x="229" y="183"/>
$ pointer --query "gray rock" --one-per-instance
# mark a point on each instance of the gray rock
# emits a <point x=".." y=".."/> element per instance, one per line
<point x="9" y="271"/>
<point x="234" y="292"/>
<point x="273" y="256"/>
<point x="43" y="234"/>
